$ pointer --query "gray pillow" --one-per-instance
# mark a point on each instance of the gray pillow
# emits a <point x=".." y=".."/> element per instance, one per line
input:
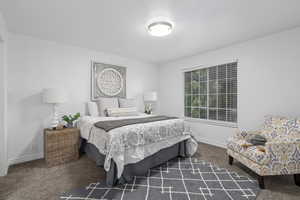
<point x="104" y="103"/>
<point x="127" y="103"/>
<point x="257" y="140"/>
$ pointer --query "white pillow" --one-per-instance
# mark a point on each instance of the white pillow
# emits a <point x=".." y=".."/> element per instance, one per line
<point x="127" y="103"/>
<point x="122" y="112"/>
<point x="93" y="109"/>
<point x="105" y="103"/>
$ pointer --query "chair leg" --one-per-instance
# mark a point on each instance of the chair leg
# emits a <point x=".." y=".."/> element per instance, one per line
<point x="261" y="182"/>
<point x="297" y="179"/>
<point x="230" y="160"/>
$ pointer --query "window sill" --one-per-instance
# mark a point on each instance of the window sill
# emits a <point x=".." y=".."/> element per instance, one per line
<point x="212" y="122"/>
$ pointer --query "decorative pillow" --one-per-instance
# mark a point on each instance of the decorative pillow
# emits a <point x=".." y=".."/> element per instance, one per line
<point x="93" y="109"/>
<point x="127" y="103"/>
<point x="281" y="125"/>
<point x="257" y="140"/>
<point x="122" y="112"/>
<point x="106" y="103"/>
<point x="275" y="121"/>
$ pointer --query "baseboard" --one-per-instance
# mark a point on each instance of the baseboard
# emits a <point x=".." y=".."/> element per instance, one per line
<point x="25" y="158"/>
<point x="29" y="157"/>
<point x="3" y="170"/>
<point x="212" y="142"/>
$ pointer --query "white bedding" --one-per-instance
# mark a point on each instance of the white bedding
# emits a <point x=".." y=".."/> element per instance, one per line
<point x="133" y="143"/>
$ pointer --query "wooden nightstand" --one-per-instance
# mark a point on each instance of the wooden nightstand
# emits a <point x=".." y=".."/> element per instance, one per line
<point x="61" y="146"/>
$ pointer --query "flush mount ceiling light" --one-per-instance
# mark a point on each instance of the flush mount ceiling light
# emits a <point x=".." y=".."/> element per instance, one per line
<point x="160" y="28"/>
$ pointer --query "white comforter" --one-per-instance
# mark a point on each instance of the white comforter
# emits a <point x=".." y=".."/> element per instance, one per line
<point x="133" y="143"/>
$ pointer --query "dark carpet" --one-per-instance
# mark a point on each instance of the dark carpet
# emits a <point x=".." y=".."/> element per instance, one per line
<point x="35" y="181"/>
<point x="181" y="178"/>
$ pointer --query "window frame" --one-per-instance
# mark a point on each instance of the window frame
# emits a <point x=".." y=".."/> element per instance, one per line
<point x="210" y="121"/>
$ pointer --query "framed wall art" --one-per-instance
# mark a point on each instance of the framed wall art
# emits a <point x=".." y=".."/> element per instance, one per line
<point x="108" y="81"/>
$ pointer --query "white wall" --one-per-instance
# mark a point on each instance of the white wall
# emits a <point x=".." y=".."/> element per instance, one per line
<point x="37" y="64"/>
<point x="3" y="95"/>
<point x="268" y="82"/>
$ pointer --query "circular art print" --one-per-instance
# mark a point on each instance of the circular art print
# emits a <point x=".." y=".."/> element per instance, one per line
<point x="110" y="82"/>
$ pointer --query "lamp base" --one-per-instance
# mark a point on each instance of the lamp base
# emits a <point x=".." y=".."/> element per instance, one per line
<point x="55" y="120"/>
<point x="148" y="108"/>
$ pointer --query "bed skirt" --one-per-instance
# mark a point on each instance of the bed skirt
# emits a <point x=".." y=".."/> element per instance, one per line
<point x="136" y="169"/>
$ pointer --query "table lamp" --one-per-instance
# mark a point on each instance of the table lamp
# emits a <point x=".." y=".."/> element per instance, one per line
<point x="54" y="96"/>
<point x="149" y="97"/>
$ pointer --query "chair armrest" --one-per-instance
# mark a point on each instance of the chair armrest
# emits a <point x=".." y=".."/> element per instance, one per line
<point x="283" y="155"/>
<point x="245" y="135"/>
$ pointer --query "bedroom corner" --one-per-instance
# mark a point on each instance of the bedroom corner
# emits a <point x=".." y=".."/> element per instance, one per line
<point x="3" y="99"/>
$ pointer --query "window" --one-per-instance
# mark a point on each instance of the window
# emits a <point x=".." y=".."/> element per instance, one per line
<point x="211" y="93"/>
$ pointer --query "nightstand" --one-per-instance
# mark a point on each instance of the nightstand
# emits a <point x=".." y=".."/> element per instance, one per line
<point x="61" y="146"/>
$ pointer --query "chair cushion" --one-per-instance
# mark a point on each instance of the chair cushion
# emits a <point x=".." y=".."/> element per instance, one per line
<point x="252" y="152"/>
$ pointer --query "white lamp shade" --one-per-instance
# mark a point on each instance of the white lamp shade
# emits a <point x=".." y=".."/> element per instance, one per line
<point x="150" y="96"/>
<point x="54" y="95"/>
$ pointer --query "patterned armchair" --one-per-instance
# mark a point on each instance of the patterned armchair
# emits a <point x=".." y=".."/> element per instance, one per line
<point x="279" y="156"/>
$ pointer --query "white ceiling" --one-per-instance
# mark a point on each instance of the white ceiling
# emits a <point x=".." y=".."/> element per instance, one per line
<point x="118" y="26"/>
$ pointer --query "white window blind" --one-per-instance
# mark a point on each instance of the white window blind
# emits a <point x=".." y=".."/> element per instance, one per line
<point x="211" y="93"/>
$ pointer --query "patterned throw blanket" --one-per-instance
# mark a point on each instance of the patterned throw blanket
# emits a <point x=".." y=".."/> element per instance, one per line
<point x="109" y="125"/>
<point x="132" y="143"/>
<point x="134" y="140"/>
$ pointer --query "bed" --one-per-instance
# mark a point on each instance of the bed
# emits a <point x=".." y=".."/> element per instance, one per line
<point x="132" y="148"/>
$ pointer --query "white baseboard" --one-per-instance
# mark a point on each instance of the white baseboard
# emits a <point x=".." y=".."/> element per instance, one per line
<point x="29" y="157"/>
<point x="3" y="170"/>
<point x="212" y="142"/>
<point x="25" y="158"/>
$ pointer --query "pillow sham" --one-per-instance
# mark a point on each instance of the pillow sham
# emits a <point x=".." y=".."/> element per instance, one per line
<point x="93" y="109"/>
<point x="106" y="103"/>
<point x="127" y="103"/>
<point x="122" y="112"/>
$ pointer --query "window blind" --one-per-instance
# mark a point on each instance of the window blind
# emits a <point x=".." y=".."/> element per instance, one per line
<point x="211" y="93"/>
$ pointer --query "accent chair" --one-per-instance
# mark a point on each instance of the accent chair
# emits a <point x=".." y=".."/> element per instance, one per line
<point x="279" y="156"/>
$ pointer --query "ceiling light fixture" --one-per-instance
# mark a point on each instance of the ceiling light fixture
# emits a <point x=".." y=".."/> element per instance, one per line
<point x="160" y="28"/>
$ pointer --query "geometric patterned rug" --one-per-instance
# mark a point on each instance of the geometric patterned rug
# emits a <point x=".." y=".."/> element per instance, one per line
<point x="178" y="179"/>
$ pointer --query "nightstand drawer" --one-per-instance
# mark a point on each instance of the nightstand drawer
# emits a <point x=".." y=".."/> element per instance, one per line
<point x="62" y="155"/>
<point x="61" y="146"/>
<point x="54" y="142"/>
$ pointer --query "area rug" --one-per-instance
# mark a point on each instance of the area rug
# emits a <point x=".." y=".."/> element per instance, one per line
<point x="178" y="179"/>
